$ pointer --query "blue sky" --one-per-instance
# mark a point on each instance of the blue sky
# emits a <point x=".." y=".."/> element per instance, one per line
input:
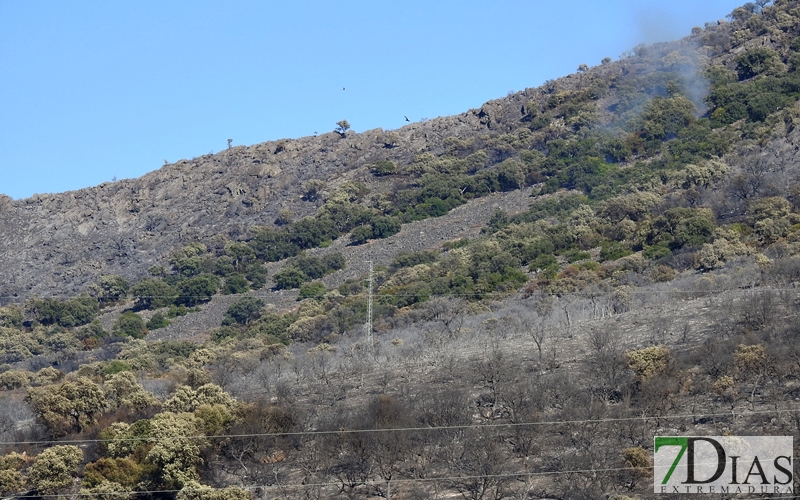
<point x="96" y="90"/>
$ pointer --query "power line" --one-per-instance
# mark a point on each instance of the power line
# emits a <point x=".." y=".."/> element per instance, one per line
<point x="412" y="429"/>
<point x="380" y="482"/>
<point x="476" y="294"/>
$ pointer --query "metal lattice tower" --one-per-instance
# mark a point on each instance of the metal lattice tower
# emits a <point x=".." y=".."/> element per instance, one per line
<point x="368" y="325"/>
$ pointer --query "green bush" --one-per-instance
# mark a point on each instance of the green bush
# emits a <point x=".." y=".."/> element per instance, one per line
<point x="313" y="289"/>
<point x="152" y="293"/>
<point x="243" y="311"/>
<point x="67" y="313"/>
<point x="384" y="167"/>
<point x="116" y="366"/>
<point x="613" y="250"/>
<point x="756" y="61"/>
<point x="234" y="284"/>
<point x="656" y="252"/>
<point x="197" y="289"/>
<point x="257" y="275"/>
<point x="158" y="320"/>
<point x="411" y="259"/>
<point x="112" y="288"/>
<point x="288" y="278"/>
<point x="130" y="324"/>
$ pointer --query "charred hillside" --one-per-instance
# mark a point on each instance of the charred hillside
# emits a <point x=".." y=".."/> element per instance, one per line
<point x="55" y="244"/>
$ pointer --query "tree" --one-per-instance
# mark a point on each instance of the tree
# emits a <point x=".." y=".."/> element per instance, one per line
<point x="384" y="167"/>
<point x="241" y="254"/>
<point x="130" y="324"/>
<point x="123" y="391"/>
<point x="157" y="321"/>
<point x="69" y="406"/>
<point x="288" y="278"/>
<point x="112" y="288"/>
<point x="107" y="490"/>
<point x="196" y="491"/>
<point x="342" y="127"/>
<point x="55" y="468"/>
<point x="756" y="61"/>
<point x="152" y="293"/>
<point x="243" y="311"/>
<point x="11" y="317"/>
<point x="68" y="313"/>
<point x="235" y="283"/>
<point x="176" y="448"/>
<point x="187" y="399"/>
<point x="197" y="289"/>
<point x="284" y="217"/>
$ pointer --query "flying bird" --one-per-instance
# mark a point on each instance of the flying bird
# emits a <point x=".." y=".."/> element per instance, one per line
<point x="404" y="116"/>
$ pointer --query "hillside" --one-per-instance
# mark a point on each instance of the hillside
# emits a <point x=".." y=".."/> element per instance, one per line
<point x="558" y="277"/>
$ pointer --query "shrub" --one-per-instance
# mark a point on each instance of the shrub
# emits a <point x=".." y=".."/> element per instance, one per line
<point x="68" y="313"/>
<point x="384" y="167"/>
<point x="613" y="250"/>
<point x="14" y="379"/>
<point x="158" y="320"/>
<point x="288" y="278"/>
<point x="112" y="289"/>
<point x="130" y="324"/>
<point x="757" y="61"/>
<point x="123" y="471"/>
<point x="257" y="275"/>
<point x="116" y="366"/>
<point x="11" y="317"/>
<point x="234" y="284"/>
<point x="197" y="289"/>
<point x="649" y="361"/>
<point x="55" y="468"/>
<point x="243" y="311"/>
<point x="313" y="289"/>
<point x="383" y="227"/>
<point x="152" y="293"/>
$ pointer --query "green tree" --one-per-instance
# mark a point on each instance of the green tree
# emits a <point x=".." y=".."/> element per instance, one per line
<point x="197" y="289"/>
<point x="152" y="293"/>
<point x="234" y="284"/>
<point x="122" y="471"/>
<point x="107" y="490"/>
<point x="288" y="278"/>
<point x="11" y="317"/>
<point x="11" y="481"/>
<point x="55" y="469"/>
<point x="175" y="448"/>
<point x="241" y="254"/>
<point x="257" y="275"/>
<point x="68" y="313"/>
<point x="384" y="167"/>
<point x="185" y="399"/>
<point x="342" y="126"/>
<point x="123" y="391"/>
<point x="313" y="289"/>
<point x="70" y="406"/>
<point x="360" y="235"/>
<point x="158" y="320"/>
<point x="243" y="311"/>
<point x="196" y="491"/>
<point x="757" y="61"/>
<point x="112" y="289"/>
<point x="130" y="324"/>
